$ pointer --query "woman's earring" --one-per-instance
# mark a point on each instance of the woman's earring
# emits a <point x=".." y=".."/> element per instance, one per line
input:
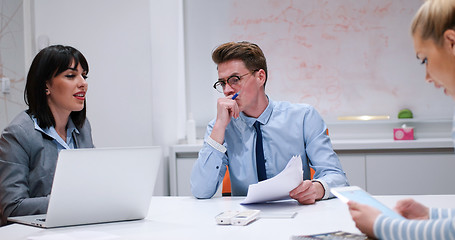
<point x="47" y="91"/>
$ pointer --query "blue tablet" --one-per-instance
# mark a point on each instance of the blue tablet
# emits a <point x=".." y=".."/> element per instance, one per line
<point x="357" y="194"/>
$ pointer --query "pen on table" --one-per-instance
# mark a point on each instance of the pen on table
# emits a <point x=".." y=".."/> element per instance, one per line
<point x="235" y="95"/>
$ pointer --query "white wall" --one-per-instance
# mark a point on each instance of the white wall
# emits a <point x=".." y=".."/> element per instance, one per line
<point x="349" y="57"/>
<point x="12" y="60"/>
<point x="114" y="37"/>
<point x="168" y="80"/>
<point x="133" y="67"/>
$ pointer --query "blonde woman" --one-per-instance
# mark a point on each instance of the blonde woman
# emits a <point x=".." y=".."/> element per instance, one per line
<point x="433" y="31"/>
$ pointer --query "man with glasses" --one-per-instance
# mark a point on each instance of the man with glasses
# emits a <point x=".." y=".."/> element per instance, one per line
<point x="256" y="137"/>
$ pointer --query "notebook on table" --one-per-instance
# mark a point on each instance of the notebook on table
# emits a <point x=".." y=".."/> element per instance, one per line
<point x="99" y="185"/>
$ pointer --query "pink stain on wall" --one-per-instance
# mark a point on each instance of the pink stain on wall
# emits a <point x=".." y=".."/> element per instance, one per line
<point x="341" y="28"/>
<point x="312" y="46"/>
<point x="327" y="36"/>
<point x="302" y="41"/>
<point x="383" y="10"/>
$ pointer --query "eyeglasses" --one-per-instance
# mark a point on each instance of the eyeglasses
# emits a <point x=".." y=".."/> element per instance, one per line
<point x="232" y="81"/>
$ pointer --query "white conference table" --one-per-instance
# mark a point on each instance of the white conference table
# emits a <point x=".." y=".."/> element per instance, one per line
<point x="190" y="218"/>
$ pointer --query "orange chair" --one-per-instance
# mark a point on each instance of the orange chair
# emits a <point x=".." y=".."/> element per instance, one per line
<point x="226" y="190"/>
<point x="312" y="172"/>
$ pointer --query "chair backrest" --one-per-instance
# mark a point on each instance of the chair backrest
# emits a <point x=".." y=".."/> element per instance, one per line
<point x="226" y="190"/>
<point x="312" y="172"/>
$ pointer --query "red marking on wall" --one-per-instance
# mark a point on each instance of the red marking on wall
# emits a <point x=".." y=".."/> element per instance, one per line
<point x="328" y="36"/>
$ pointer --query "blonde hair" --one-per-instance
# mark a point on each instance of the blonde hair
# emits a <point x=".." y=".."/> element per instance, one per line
<point x="433" y="18"/>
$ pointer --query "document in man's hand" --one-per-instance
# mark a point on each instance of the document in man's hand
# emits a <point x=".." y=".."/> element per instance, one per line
<point x="278" y="187"/>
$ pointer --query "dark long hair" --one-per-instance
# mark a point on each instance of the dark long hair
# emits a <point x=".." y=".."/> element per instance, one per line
<point x="48" y="63"/>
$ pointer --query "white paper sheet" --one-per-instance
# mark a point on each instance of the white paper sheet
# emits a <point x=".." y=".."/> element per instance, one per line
<point x="278" y="187"/>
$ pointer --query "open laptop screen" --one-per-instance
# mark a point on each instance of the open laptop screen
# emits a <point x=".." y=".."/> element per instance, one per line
<point x="102" y="185"/>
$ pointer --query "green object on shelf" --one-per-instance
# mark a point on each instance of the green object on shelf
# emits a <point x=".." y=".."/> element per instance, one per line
<point x="405" y="113"/>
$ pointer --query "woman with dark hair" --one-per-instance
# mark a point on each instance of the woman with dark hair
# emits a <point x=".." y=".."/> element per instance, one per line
<point x="56" y="119"/>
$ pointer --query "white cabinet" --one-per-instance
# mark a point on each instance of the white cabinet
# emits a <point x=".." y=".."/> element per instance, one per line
<point x="183" y="171"/>
<point x="411" y="173"/>
<point x="181" y="161"/>
<point x="381" y="167"/>
<point x="354" y="167"/>
<point x="384" y="172"/>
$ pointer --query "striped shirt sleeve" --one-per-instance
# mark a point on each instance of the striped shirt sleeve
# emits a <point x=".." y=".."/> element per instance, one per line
<point x="441" y="225"/>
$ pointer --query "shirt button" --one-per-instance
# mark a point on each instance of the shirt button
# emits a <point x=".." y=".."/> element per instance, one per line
<point x="217" y="167"/>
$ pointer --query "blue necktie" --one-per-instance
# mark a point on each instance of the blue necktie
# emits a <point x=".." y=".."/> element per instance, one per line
<point x="260" y="161"/>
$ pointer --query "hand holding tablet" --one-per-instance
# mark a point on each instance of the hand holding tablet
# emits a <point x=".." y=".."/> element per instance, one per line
<point x="356" y="194"/>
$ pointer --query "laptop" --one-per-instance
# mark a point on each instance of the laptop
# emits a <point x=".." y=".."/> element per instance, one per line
<point x="99" y="185"/>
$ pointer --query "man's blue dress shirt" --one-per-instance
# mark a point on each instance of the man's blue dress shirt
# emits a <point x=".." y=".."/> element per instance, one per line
<point x="287" y="130"/>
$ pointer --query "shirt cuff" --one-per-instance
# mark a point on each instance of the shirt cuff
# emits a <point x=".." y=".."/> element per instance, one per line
<point x="325" y="186"/>
<point x="220" y="147"/>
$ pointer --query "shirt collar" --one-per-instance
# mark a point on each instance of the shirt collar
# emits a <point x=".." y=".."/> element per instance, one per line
<point x="263" y="118"/>
<point x="51" y="132"/>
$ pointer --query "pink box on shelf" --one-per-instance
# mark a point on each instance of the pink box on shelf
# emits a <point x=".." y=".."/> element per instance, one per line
<point x="403" y="133"/>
